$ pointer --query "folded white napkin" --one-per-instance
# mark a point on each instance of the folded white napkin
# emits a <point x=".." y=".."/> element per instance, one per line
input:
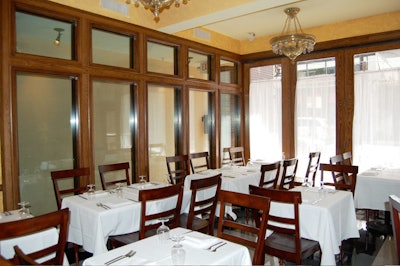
<point x="199" y="240"/>
<point x="117" y="202"/>
<point x="97" y="194"/>
<point x="370" y="173"/>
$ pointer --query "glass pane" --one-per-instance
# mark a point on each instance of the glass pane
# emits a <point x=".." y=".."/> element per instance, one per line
<point x="265" y="107"/>
<point x="199" y="66"/>
<point x="164" y="123"/>
<point x="161" y="58"/>
<point x="315" y="123"/>
<point x="201" y="120"/>
<point x="45" y="136"/>
<point x="112" y="49"/>
<point x="112" y="112"/>
<point x="228" y="72"/>
<point x="376" y="126"/>
<point x="37" y="35"/>
<point x="230" y="121"/>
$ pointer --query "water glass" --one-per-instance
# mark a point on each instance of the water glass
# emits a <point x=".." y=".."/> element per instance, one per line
<point x="306" y="182"/>
<point x="91" y="191"/>
<point x="163" y="231"/>
<point x="178" y="252"/>
<point x="119" y="190"/>
<point x="24" y="211"/>
<point x="142" y="179"/>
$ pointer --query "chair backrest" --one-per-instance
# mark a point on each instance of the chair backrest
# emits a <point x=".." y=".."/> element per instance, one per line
<point x="207" y="203"/>
<point x="58" y="219"/>
<point x="312" y="167"/>
<point x="287" y="224"/>
<point x="288" y="173"/>
<point x="249" y="234"/>
<point x="178" y="168"/>
<point x="236" y="155"/>
<point x="347" y="158"/>
<point x="113" y="172"/>
<point x="395" y="210"/>
<point x="337" y="159"/>
<point x="225" y="156"/>
<point x="148" y="216"/>
<point x="346" y="181"/>
<point x="69" y="182"/>
<point x="268" y="168"/>
<point x="199" y="161"/>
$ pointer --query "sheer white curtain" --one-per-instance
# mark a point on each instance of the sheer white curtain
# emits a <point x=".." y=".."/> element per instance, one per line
<point x="315" y="118"/>
<point x="376" y="126"/>
<point x="266" y="119"/>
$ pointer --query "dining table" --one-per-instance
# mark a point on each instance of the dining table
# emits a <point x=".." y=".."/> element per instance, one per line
<point x="233" y="178"/>
<point x="196" y="246"/>
<point x="28" y="243"/>
<point x="326" y="215"/>
<point x="94" y="218"/>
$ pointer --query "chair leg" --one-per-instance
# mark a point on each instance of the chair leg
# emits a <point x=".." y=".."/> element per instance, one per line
<point x="76" y="251"/>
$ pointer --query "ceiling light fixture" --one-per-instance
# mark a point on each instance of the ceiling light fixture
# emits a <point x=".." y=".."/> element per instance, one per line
<point x="57" y="40"/>
<point x="292" y="42"/>
<point x="156" y="6"/>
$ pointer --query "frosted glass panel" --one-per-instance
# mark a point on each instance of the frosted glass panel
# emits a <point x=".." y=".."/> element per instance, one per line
<point x="201" y="121"/>
<point x="112" y="124"/>
<point x="45" y="136"/>
<point x="230" y="121"/>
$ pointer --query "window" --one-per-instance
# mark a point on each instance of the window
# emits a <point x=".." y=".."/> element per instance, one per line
<point x="164" y="127"/>
<point x="199" y="66"/>
<point x="36" y="35"/>
<point x="315" y="123"/>
<point x="113" y="118"/>
<point x="47" y="125"/>
<point x="228" y="72"/>
<point x="265" y="108"/>
<point x="112" y="49"/>
<point x="230" y="121"/>
<point x="376" y="126"/>
<point x="162" y="58"/>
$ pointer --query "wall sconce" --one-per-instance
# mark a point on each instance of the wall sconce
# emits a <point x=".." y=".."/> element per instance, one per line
<point x="57" y="40"/>
<point x="251" y="37"/>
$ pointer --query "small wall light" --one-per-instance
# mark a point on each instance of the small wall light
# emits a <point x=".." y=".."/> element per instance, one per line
<point x="251" y="37"/>
<point x="57" y="40"/>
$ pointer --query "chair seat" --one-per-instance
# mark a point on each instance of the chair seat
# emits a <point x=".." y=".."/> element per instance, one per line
<point x="125" y="239"/>
<point x="199" y="224"/>
<point x="286" y="242"/>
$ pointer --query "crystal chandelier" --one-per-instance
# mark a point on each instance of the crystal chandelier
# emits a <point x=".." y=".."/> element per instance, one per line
<point x="293" y="41"/>
<point x="156" y="6"/>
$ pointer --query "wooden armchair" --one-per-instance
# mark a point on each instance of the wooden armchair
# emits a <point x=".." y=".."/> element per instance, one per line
<point x="267" y="168"/>
<point x="58" y="219"/>
<point x="115" y="169"/>
<point x="288" y="173"/>
<point x="345" y="176"/>
<point x="236" y="155"/>
<point x="199" y="161"/>
<point x="178" y="168"/>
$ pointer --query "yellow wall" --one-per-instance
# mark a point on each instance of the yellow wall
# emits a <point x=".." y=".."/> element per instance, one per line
<point x="141" y="17"/>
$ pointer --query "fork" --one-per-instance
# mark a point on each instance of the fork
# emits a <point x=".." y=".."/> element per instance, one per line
<point x="103" y="206"/>
<point x="217" y="247"/>
<point x="216" y="244"/>
<point x="127" y="255"/>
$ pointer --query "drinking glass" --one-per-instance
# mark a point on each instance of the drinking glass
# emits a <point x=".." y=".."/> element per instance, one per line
<point x="91" y="191"/>
<point x="178" y="252"/>
<point x="24" y="211"/>
<point x="163" y="231"/>
<point x="306" y="182"/>
<point x="250" y="163"/>
<point x="142" y="179"/>
<point x="118" y="190"/>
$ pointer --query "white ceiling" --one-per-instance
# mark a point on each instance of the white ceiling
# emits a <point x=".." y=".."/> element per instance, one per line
<point x="266" y="17"/>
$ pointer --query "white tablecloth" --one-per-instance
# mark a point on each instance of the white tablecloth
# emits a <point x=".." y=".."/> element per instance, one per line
<point x="151" y="251"/>
<point x="236" y="179"/>
<point x="91" y="225"/>
<point x="325" y="217"/>
<point x="374" y="186"/>
<point x="29" y="243"/>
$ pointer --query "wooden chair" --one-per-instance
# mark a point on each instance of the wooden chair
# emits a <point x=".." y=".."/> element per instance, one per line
<point x="199" y="161"/>
<point x="394" y="202"/>
<point x="201" y="214"/>
<point x="288" y="173"/>
<point x="236" y="155"/>
<point x="178" y="168"/>
<point x="340" y="182"/>
<point x="266" y="168"/>
<point x="58" y="219"/>
<point x="74" y="181"/>
<point x="5" y="262"/>
<point x="285" y="242"/>
<point x="116" y="168"/>
<point x="147" y="228"/>
<point x="244" y="234"/>
<point x="337" y="159"/>
<point x="312" y="169"/>
<point x="347" y="158"/>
